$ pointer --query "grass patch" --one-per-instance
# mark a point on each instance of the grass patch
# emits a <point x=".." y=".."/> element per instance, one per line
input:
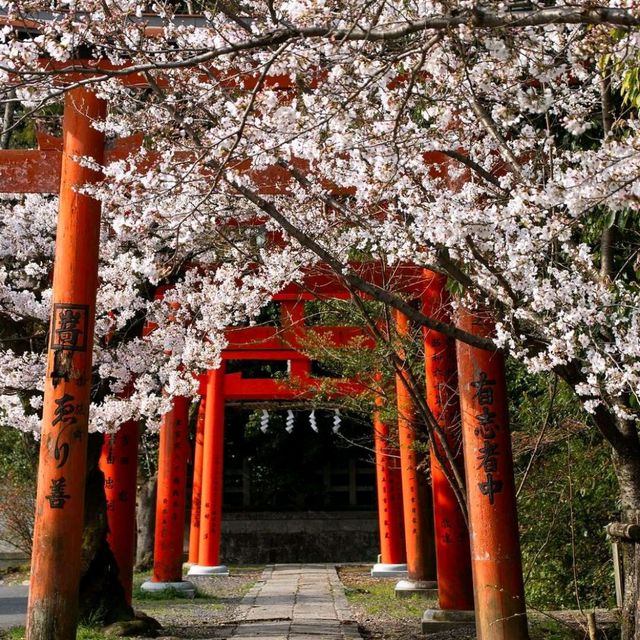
<point x="379" y="599"/>
<point x="146" y="596"/>
<point x="165" y="594"/>
<point x="84" y="633"/>
<point x="547" y="629"/>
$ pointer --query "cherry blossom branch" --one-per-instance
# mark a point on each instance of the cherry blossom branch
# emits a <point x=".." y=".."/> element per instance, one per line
<point x="477" y="18"/>
<point x="349" y="276"/>
<point x="474" y="166"/>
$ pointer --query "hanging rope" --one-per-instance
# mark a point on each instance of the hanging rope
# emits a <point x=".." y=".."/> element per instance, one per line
<point x="312" y="421"/>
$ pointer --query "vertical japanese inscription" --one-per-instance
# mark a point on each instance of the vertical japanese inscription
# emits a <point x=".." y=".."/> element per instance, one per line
<point x="64" y="416"/>
<point x="487" y="430"/>
<point x="70" y="327"/>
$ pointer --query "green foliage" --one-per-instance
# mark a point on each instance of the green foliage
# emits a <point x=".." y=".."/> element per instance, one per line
<point x="567" y="497"/>
<point x="338" y="312"/>
<point x="630" y="86"/>
<point x="18" y="454"/>
<point x="18" y="464"/>
<point x="48" y="118"/>
<point x="542" y="628"/>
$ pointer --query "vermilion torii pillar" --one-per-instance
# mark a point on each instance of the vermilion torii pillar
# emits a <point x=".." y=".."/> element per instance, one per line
<point x="171" y="501"/>
<point x="493" y="522"/>
<point x="57" y="540"/>
<point x="212" y="477"/>
<point x="196" y="493"/>
<point x="119" y="464"/>
<point x="416" y="492"/>
<point x="393" y="555"/>
<point x="455" y="585"/>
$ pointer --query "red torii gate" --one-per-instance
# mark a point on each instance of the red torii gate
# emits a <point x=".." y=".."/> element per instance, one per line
<point x="499" y="604"/>
<point x="269" y="343"/>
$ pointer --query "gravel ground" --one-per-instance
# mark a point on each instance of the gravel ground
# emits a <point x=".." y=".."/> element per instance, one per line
<point x="379" y="614"/>
<point x="382" y="616"/>
<point x="211" y="614"/>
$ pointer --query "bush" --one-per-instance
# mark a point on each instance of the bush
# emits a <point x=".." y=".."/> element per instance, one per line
<point x="567" y="498"/>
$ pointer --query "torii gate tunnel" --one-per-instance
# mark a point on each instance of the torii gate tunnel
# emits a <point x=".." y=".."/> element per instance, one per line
<point x="495" y="555"/>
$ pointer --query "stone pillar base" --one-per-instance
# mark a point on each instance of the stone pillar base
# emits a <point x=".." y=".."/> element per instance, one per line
<point x="201" y="570"/>
<point x="426" y="588"/>
<point x="436" y="620"/>
<point x="183" y="586"/>
<point x="382" y="570"/>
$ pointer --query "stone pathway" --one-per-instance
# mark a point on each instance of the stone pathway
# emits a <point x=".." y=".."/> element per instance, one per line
<point x="296" y="602"/>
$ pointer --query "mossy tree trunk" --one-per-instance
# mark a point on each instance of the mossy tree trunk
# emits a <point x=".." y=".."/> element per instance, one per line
<point x="102" y="597"/>
<point x="145" y="522"/>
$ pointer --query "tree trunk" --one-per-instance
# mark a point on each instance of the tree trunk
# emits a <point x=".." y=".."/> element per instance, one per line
<point x="628" y="473"/>
<point x="145" y="522"/>
<point x="102" y="597"/>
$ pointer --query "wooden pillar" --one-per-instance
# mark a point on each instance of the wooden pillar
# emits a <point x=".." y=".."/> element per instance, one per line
<point x="493" y="522"/>
<point x="212" y="477"/>
<point x="196" y="492"/>
<point x="119" y="464"/>
<point x="57" y="540"/>
<point x="171" y="500"/>
<point x="416" y="493"/>
<point x="393" y="555"/>
<point x="455" y="585"/>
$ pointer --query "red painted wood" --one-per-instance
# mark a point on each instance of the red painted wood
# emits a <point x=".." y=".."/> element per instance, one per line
<point x="455" y="585"/>
<point x="416" y="493"/>
<point x="119" y="464"/>
<point x="212" y="471"/>
<point x="57" y="540"/>
<point x="493" y="522"/>
<point x="38" y="170"/>
<point x="238" y="388"/>
<point x="389" y="485"/>
<point x="196" y="492"/>
<point x="170" y="504"/>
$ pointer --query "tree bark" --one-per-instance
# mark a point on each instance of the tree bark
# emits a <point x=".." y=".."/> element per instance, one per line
<point x="627" y="468"/>
<point x="102" y="597"/>
<point x="145" y="520"/>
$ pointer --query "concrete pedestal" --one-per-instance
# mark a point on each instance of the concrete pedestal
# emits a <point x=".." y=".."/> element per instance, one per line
<point x="200" y="570"/>
<point x="382" y="570"/>
<point x="427" y="588"/>
<point x="437" y="620"/>
<point x="184" y="586"/>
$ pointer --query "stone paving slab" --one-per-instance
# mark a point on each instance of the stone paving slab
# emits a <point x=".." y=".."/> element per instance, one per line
<point x="296" y="602"/>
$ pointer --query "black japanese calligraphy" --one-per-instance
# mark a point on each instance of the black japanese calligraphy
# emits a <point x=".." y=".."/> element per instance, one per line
<point x="57" y="496"/>
<point x="484" y="389"/>
<point x="487" y="430"/>
<point x="70" y="325"/>
<point x="65" y="410"/>
<point x="63" y="416"/>
<point x="490" y="487"/>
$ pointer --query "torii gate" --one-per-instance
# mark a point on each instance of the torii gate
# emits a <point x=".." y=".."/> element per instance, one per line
<point x="499" y="596"/>
<point x="286" y="343"/>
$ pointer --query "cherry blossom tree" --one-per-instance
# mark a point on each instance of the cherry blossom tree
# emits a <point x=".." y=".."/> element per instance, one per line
<point x="495" y="142"/>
